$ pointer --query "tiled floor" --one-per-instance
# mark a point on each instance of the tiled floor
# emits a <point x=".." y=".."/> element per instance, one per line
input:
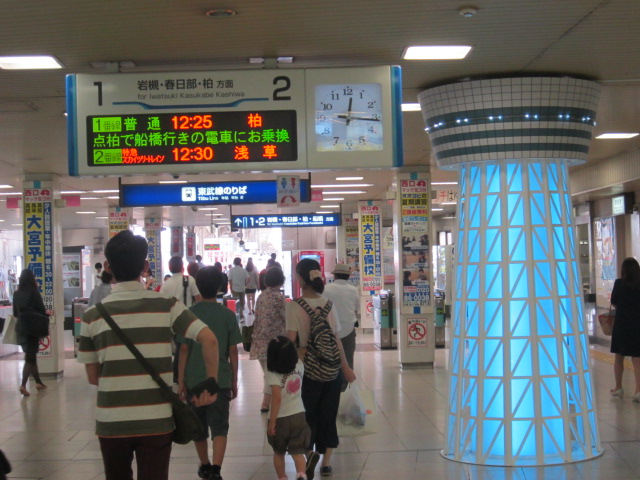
<point x="50" y="434"/>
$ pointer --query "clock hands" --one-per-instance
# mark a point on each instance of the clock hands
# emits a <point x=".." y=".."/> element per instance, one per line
<point x="351" y="117"/>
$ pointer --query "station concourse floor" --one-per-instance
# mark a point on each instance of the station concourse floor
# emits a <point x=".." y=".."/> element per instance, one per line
<point x="49" y="435"/>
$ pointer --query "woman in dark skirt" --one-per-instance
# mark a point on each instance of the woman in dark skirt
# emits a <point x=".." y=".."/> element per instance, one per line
<point x="625" y="338"/>
<point x="27" y="297"/>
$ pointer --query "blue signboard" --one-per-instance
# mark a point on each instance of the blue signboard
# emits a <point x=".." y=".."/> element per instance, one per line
<point x="193" y="194"/>
<point x="295" y="220"/>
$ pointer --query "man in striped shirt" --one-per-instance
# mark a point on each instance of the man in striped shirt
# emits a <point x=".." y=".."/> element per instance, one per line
<point x="132" y="416"/>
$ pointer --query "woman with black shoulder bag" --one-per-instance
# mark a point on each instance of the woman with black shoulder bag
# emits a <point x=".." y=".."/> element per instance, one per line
<point x="27" y="299"/>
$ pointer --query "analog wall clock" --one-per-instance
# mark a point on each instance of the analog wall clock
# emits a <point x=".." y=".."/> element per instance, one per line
<point x="348" y="117"/>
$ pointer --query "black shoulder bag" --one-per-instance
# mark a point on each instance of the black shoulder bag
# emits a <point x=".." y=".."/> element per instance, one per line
<point x="188" y="426"/>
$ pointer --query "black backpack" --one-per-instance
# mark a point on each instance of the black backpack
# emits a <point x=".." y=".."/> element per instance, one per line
<point x="322" y="361"/>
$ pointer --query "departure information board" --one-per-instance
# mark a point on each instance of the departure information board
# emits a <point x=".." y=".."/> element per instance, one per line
<point x="194" y="122"/>
<point x="295" y="220"/>
<point x="194" y="194"/>
<point x="192" y="137"/>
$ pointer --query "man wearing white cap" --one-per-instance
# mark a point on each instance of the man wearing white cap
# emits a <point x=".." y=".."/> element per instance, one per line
<point x="346" y="299"/>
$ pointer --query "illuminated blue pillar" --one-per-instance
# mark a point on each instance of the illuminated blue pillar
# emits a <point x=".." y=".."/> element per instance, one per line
<point x="520" y="391"/>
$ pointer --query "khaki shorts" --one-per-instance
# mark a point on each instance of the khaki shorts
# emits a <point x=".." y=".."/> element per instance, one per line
<point x="292" y="435"/>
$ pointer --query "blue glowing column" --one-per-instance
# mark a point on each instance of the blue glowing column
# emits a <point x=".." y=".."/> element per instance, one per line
<point x="520" y="384"/>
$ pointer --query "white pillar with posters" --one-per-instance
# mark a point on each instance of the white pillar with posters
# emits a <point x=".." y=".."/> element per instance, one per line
<point x="414" y="301"/>
<point x="43" y="256"/>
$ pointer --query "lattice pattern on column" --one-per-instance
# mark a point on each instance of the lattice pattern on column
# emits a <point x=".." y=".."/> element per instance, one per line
<point x="520" y="389"/>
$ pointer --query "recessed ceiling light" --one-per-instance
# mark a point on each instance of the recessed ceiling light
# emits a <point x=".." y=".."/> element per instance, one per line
<point x="88" y="212"/>
<point x="343" y="185"/>
<point x="29" y="62"/>
<point x="436" y="52"/>
<point x="616" y="136"/>
<point x="221" y="13"/>
<point x="349" y="179"/>
<point x="410" y="107"/>
<point x="329" y="206"/>
<point x="173" y="181"/>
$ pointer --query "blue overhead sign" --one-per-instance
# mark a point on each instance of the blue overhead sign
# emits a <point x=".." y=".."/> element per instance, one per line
<point x="295" y="220"/>
<point x="193" y="194"/>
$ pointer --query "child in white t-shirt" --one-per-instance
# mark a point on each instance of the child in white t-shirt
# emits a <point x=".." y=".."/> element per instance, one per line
<point x="287" y="429"/>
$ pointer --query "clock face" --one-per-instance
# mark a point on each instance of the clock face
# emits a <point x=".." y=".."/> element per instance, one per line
<point x="348" y="117"/>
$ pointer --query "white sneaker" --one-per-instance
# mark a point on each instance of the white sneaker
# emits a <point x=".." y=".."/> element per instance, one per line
<point x="617" y="393"/>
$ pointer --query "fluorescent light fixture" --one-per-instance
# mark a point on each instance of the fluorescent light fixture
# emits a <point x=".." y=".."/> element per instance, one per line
<point x="105" y="191"/>
<point x="2" y="220"/>
<point x="87" y="212"/>
<point x="16" y="224"/>
<point x="437" y="209"/>
<point x="321" y="212"/>
<point x="91" y="198"/>
<point x="411" y="107"/>
<point x="349" y="179"/>
<point x="329" y="206"/>
<point x="29" y="62"/>
<point x="11" y="193"/>
<point x="436" y="52"/>
<point x="448" y="203"/>
<point x="444" y="183"/>
<point x="112" y="197"/>
<point x="101" y="218"/>
<point x="216" y="214"/>
<point x="448" y="218"/>
<point x="332" y="199"/>
<point x="6" y="186"/>
<point x="72" y="192"/>
<point x="348" y="192"/>
<point x="223" y="223"/>
<point x="616" y="136"/>
<point x="173" y="181"/>
<point x="205" y="209"/>
<point x="344" y="185"/>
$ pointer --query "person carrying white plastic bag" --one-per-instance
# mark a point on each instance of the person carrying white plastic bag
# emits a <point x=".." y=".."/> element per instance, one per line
<point x="358" y="412"/>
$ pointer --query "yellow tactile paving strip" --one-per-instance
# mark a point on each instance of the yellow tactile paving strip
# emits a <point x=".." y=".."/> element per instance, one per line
<point x="608" y="358"/>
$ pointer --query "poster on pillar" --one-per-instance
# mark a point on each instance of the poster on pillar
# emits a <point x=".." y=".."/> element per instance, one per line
<point x="370" y="213"/>
<point x="152" y="229"/>
<point x="414" y="227"/>
<point x="350" y="225"/>
<point x="119" y="219"/>
<point x="177" y="241"/>
<point x="38" y="241"/>
<point x="191" y="246"/>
